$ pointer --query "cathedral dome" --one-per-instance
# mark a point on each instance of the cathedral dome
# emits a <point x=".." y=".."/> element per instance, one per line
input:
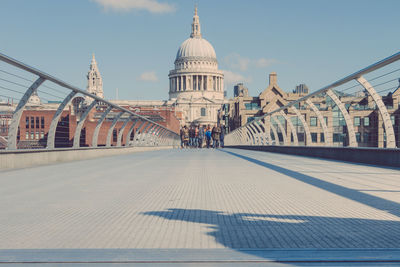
<point x="196" y="48"/>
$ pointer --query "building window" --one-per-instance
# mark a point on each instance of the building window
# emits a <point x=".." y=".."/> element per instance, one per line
<point x="41" y="134"/>
<point x="27" y="135"/>
<point x="32" y="135"/>
<point x="366" y="121"/>
<point x="115" y="134"/>
<point x="37" y="122"/>
<point x="27" y="123"/>
<point x="314" y="137"/>
<point x="358" y="137"/>
<point x="37" y="136"/>
<point x="203" y="112"/>
<point x="337" y="137"/>
<point x="357" y="121"/>
<point x="326" y="121"/>
<point x="42" y="122"/>
<point x="322" y="137"/>
<point x="32" y="122"/>
<point x="252" y="106"/>
<point x="393" y="119"/>
<point x="366" y="137"/>
<point x="313" y="121"/>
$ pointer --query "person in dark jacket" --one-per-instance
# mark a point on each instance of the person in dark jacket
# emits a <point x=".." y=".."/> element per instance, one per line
<point x="222" y="136"/>
<point x="216" y="134"/>
<point x="200" y="136"/>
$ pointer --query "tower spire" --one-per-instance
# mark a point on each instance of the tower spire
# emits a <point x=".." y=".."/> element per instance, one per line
<point x="196" y="31"/>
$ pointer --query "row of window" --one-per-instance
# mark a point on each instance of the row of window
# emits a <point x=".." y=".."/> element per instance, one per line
<point x="34" y="135"/>
<point x="357" y="121"/>
<point x="34" y="122"/>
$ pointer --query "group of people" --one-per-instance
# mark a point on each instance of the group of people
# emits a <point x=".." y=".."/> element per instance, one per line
<point x="195" y="136"/>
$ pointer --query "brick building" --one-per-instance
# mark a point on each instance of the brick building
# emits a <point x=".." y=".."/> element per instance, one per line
<point x="366" y="119"/>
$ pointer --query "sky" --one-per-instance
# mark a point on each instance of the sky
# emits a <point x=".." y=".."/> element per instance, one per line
<point x="315" y="42"/>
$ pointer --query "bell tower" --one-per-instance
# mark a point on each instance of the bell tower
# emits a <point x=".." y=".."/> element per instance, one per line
<point x="94" y="81"/>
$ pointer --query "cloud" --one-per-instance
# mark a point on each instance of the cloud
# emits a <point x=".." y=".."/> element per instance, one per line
<point x="236" y="61"/>
<point x="265" y="62"/>
<point x="153" y="6"/>
<point x="149" y="76"/>
<point x="231" y="78"/>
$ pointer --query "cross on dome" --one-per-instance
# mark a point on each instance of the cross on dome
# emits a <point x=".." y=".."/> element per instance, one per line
<point x="196" y="30"/>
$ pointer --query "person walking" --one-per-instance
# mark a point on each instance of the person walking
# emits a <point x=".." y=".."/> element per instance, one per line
<point x="208" y="136"/>
<point x="191" y="136"/>
<point x="185" y="136"/>
<point x="182" y="134"/>
<point x="216" y="133"/>
<point x="200" y="137"/>
<point x="196" y="137"/>
<point x="222" y="136"/>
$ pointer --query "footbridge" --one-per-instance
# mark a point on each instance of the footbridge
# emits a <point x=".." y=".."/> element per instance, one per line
<point x="273" y="196"/>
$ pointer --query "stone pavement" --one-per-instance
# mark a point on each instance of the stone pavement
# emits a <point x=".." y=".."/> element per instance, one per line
<point x="200" y="199"/>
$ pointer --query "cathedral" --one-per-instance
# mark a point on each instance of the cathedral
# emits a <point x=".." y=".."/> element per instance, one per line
<point x="196" y="85"/>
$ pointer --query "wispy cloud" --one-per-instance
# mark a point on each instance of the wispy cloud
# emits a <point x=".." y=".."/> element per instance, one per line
<point x="149" y="76"/>
<point x="153" y="6"/>
<point x="238" y="62"/>
<point x="265" y="62"/>
<point x="231" y="78"/>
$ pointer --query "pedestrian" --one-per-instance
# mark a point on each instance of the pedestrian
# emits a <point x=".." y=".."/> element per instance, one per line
<point x="200" y="136"/>
<point x="191" y="136"/>
<point x="216" y="133"/>
<point x="185" y="136"/>
<point x="222" y="136"/>
<point x="182" y="135"/>
<point x="208" y="136"/>
<point x="196" y="137"/>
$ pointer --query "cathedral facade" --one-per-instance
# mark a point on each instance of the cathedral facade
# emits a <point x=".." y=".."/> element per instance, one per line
<point x="196" y="85"/>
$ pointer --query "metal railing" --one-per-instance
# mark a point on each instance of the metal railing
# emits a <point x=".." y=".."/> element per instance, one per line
<point x="65" y="101"/>
<point x="349" y="112"/>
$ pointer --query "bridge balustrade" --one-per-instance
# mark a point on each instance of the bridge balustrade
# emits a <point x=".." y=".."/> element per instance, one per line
<point x="359" y="110"/>
<point x="40" y="111"/>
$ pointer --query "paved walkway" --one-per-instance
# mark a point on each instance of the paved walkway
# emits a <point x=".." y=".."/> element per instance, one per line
<point x="200" y="199"/>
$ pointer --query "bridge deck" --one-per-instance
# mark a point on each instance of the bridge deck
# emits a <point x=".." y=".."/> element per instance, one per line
<point x="200" y="199"/>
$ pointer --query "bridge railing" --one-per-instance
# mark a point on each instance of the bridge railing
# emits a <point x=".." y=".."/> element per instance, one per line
<point x="359" y="110"/>
<point x="38" y="110"/>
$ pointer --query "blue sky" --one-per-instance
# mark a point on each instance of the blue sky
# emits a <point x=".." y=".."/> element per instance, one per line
<point x="135" y="41"/>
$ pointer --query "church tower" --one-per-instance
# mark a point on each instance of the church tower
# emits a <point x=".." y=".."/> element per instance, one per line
<point x="94" y="81"/>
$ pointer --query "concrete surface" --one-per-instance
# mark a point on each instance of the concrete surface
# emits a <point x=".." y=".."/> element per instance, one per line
<point x="232" y="199"/>
<point x="368" y="155"/>
<point x="27" y="158"/>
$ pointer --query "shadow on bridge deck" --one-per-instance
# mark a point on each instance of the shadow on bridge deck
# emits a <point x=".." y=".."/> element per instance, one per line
<point x="366" y="199"/>
<point x="325" y="239"/>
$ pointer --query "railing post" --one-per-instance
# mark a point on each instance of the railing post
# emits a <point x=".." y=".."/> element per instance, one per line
<point x="293" y="132"/>
<point x="390" y="137"/>
<point x="77" y="135"/>
<point x="121" y="131"/>
<point x="98" y="126"/>
<point x="321" y="119"/>
<point x="284" y="136"/>
<point x="349" y="123"/>
<point x="308" y="140"/>
<point x="128" y="136"/>
<point x="13" y="129"/>
<point x="54" y="122"/>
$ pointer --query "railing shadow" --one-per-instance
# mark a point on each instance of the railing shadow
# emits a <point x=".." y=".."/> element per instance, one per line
<point x="364" y="198"/>
<point x="247" y="231"/>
